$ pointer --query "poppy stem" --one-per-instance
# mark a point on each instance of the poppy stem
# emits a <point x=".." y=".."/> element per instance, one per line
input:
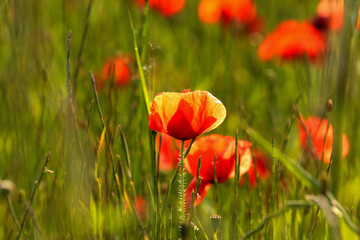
<point x="173" y="179"/>
<point x="182" y="201"/>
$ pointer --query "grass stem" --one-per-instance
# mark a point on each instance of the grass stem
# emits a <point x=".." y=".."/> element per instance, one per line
<point x="36" y="184"/>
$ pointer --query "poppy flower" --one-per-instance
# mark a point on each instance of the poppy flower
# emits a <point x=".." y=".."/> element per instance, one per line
<point x="333" y="11"/>
<point x="242" y="12"/>
<point x="263" y="167"/>
<point x="293" y="39"/>
<point x="169" y="152"/>
<point x="167" y="8"/>
<point x="321" y="134"/>
<point x="117" y="69"/>
<point x="141" y="206"/>
<point x="185" y="115"/>
<point x="222" y="148"/>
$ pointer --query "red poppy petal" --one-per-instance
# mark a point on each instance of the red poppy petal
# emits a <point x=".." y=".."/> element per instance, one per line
<point x="186" y="115"/>
<point x="155" y="122"/>
<point x="209" y="11"/>
<point x="203" y="189"/>
<point x="169" y="154"/>
<point x="171" y="7"/>
<point x="321" y="134"/>
<point x="292" y="39"/>
<point x="180" y="124"/>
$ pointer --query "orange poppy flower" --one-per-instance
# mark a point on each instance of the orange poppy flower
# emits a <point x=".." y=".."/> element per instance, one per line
<point x="169" y="152"/>
<point x="117" y="69"/>
<point x="292" y="39"/>
<point x="333" y="11"/>
<point x="239" y="11"/>
<point x="167" y="8"/>
<point x="223" y="149"/>
<point x="185" y="115"/>
<point x="141" y="207"/>
<point x="263" y="167"/>
<point x="321" y="134"/>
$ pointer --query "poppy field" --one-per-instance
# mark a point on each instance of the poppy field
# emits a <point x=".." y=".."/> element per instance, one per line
<point x="179" y="119"/>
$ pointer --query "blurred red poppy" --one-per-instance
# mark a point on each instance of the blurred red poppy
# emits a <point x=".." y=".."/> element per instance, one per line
<point x="333" y="11"/>
<point x="263" y="167"/>
<point x="169" y="152"/>
<point x="292" y="39"/>
<point x="223" y="149"/>
<point x="321" y="134"/>
<point x="167" y="8"/>
<point x="242" y="12"/>
<point x="141" y="207"/>
<point x="185" y="115"/>
<point x="116" y="69"/>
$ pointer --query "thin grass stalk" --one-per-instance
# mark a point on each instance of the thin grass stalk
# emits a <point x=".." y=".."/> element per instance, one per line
<point x="117" y="187"/>
<point x="13" y="214"/>
<point x="307" y="134"/>
<point x="158" y="164"/>
<point x="250" y="222"/>
<point x="88" y="122"/>
<point x="127" y="164"/>
<point x="233" y="232"/>
<point x="314" y="223"/>
<point x="216" y="199"/>
<point x="300" y="173"/>
<point x="194" y="193"/>
<point x="126" y="151"/>
<point x="82" y="43"/>
<point x="324" y="203"/>
<point x="202" y="228"/>
<point x="288" y="205"/>
<point x="144" y="31"/>
<point x="171" y="222"/>
<point x="128" y="161"/>
<point x="273" y="180"/>
<point x="36" y="184"/>
<point x="273" y="187"/>
<point x="140" y="68"/>
<point x="71" y="113"/>
<point x="134" y="212"/>
<point x="154" y="167"/>
<point x="341" y="95"/>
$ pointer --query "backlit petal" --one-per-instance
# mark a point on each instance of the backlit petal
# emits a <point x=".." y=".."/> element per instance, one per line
<point x="186" y="115"/>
